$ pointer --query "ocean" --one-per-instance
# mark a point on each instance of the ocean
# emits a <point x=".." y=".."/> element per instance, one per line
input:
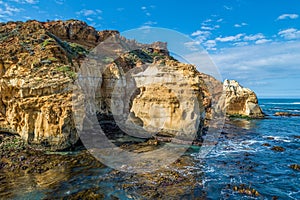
<point x="243" y="157"/>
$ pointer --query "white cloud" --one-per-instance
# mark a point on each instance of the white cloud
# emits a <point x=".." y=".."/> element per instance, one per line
<point x="26" y="1"/>
<point x="210" y="28"/>
<point x="120" y="9"/>
<point x="288" y="16"/>
<point x="228" y="7"/>
<point x="275" y="64"/>
<point x="150" y="23"/>
<point x="31" y="1"/>
<point x="6" y="11"/>
<point x="198" y="33"/>
<point x="230" y="38"/>
<point x="201" y="35"/>
<point x="262" y="41"/>
<point x="60" y="2"/>
<point x="290" y="33"/>
<point x="240" y="25"/>
<point x="86" y="12"/>
<point x="254" y="37"/>
<point x="206" y="22"/>
<point x="145" y="27"/>
<point x="240" y="44"/>
<point x="145" y="10"/>
<point x="207" y="28"/>
<point x="210" y="45"/>
<point x="192" y="46"/>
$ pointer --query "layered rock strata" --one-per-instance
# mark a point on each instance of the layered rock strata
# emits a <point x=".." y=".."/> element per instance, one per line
<point x="39" y="68"/>
<point x="240" y="100"/>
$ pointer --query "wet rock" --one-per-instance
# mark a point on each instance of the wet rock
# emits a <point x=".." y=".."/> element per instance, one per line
<point x="88" y="194"/>
<point x="295" y="167"/>
<point x="169" y="182"/>
<point x="25" y="159"/>
<point x="285" y="114"/>
<point x="246" y="190"/>
<point x="266" y="145"/>
<point x="270" y="138"/>
<point x="278" y="148"/>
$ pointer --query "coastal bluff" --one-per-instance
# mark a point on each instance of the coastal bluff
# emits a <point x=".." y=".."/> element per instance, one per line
<point x="39" y="67"/>
<point x="240" y="100"/>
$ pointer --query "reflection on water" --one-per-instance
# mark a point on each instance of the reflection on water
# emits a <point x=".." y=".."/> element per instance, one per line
<point x="16" y="185"/>
<point x="243" y="123"/>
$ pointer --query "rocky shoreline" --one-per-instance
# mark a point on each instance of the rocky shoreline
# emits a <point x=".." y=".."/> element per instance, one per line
<point x="39" y="68"/>
<point x="48" y="169"/>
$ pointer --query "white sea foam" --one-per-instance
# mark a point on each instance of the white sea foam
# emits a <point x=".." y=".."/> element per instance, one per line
<point x="296" y="103"/>
<point x="278" y="138"/>
<point x="291" y="103"/>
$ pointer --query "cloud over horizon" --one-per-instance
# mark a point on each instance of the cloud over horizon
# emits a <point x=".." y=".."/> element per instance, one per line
<point x="288" y="16"/>
<point x="255" y="65"/>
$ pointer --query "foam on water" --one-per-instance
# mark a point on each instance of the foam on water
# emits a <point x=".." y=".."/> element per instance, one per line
<point x="278" y="138"/>
<point x="284" y="103"/>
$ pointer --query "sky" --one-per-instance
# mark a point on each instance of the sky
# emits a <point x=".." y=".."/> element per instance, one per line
<point x="256" y="42"/>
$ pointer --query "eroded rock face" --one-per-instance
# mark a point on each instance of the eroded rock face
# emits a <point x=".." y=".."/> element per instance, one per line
<point x="36" y="72"/>
<point x="240" y="100"/>
<point x="38" y="69"/>
<point x="171" y="99"/>
<point x="78" y="32"/>
<point x="38" y="64"/>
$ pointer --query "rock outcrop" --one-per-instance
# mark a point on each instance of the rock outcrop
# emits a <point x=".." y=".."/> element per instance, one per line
<point x="171" y="99"/>
<point x="40" y="63"/>
<point x="240" y="101"/>
<point x="37" y="69"/>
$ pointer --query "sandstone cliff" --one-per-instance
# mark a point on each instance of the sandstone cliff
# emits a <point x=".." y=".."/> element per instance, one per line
<point x="240" y="101"/>
<point x="36" y="71"/>
<point x="39" y="68"/>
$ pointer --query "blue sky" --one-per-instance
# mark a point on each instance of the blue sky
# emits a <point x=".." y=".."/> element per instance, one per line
<point x="254" y="42"/>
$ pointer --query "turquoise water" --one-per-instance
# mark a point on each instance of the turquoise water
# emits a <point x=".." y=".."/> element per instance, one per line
<point x="239" y="158"/>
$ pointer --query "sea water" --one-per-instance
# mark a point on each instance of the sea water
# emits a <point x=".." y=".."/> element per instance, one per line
<point x="241" y="157"/>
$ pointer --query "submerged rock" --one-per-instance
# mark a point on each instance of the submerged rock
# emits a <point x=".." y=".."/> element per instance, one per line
<point x="266" y="145"/>
<point x="247" y="190"/>
<point x="285" y="114"/>
<point x="278" y="148"/>
<point x="295" y="167"/>
<point x="241" y="101"/>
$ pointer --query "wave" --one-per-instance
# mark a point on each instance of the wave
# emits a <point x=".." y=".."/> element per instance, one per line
<point x="290" y="103"/>
<point x="284" y="109"/>
<point x="278" y="138"/>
